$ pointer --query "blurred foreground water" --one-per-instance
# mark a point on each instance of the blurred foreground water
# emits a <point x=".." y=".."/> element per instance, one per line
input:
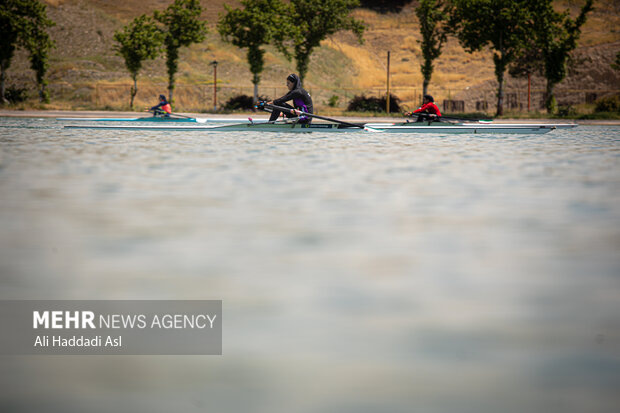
<point x="359" y="272"/>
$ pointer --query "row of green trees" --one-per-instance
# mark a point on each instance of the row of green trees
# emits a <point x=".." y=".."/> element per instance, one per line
<point x="295" y="28"/>
<point x="299" y="25"/>
<point x="527" y="36"/>
<point x="146" y="37"/>
<point x="24" y="24"/>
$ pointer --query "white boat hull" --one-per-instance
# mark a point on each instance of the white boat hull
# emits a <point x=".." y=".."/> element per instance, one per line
<point x="482" y="128"/>
<point x="159" y="120"/>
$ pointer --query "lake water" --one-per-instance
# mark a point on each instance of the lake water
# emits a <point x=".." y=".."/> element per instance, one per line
<point x="359" y="272"/>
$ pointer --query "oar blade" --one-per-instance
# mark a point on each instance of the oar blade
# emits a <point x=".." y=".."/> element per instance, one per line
<point x="372" y="130"/>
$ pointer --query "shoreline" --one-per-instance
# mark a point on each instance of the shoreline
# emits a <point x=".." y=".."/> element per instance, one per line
<point x="371" y="119"/>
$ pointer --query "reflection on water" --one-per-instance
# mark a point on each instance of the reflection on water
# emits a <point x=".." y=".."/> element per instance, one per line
<point x="359" y="272"/>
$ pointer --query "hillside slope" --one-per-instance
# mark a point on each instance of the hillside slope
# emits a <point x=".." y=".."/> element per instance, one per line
<point x="85" y="72"/>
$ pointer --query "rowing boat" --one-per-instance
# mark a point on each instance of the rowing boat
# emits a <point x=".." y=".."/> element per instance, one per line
<point x="159" y="119"/>
<point x="435" y="127"/>
<point x="480" y="125"/>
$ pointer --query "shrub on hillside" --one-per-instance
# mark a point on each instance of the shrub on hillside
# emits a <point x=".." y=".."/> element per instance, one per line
<point x="601" y="116"/>
<point x="333" y="101"/>
<point x="608" y="104"/>
<point x="566" y="112"/>
<point x="241" y="102"/>
<point x="385" y="6"/>
<point x="373" y="104"/>
<point x="16" y="94"/>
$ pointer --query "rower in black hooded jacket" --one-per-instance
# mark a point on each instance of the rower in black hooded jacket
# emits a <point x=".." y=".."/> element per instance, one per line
<point x="301" y="101"/>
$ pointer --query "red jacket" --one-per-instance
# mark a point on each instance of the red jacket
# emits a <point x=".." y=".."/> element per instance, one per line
<point x="429" y="107"/>
<point x="164" y="106"/>
<point x="168" y="109"/>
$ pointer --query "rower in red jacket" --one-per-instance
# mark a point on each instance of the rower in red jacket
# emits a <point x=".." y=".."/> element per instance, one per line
<point x="428" y="110"/>
<point x="162" y="108"/>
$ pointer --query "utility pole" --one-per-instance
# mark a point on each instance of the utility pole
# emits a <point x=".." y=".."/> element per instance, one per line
<point x="214" y="63"/>
<point x="529" y="88"/>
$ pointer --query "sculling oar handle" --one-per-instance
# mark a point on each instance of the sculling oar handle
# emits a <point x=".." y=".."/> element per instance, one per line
<point x="263" y="105"/>
<point x="426" y="114"/>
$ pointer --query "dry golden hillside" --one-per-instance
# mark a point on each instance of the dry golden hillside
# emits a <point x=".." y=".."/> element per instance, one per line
<point x="86" y="74"/>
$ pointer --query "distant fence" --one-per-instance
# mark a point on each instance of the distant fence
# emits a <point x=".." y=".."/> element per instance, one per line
<point x="517" y="100"/>
<point x="200" y="97"/>
<point x="453" y="105"/>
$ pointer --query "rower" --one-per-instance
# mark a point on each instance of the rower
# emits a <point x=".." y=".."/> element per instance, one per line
<point x="163" y="108"/>
<point x="428" y="111"/>
<point x="301" y="102"/>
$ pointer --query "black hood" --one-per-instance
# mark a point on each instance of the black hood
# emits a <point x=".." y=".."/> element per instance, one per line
<point x="295" y="79"/>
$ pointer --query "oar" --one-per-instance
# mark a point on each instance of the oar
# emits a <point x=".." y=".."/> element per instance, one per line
<point x="312" y="115"/>
<point x="466" y="119"/>
<point x="198" y="120"/>
<point x="439" y="118"/>
<point x="182" y="116"/>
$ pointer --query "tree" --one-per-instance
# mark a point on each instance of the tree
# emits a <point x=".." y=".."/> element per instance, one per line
<point x="251" y="28"/>
<point x="23" y="23"/>
<point x="556" y="37"/>
<point x="527" y="61"/>
<point x="312" y="21"/>
<point x="182" y="28"/>
<point x="140" y="40"/>
<point x="498" y="24"/>
<point x="39" y="46"/>
<point x="431" y="16"/>
<point x="526" y="64"/>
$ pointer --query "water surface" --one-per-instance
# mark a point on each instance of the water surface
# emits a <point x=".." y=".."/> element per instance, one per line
<point x="360" y="272"/>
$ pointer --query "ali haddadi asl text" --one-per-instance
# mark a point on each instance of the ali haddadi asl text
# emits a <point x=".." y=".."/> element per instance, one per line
<point x="78" y="341"/>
